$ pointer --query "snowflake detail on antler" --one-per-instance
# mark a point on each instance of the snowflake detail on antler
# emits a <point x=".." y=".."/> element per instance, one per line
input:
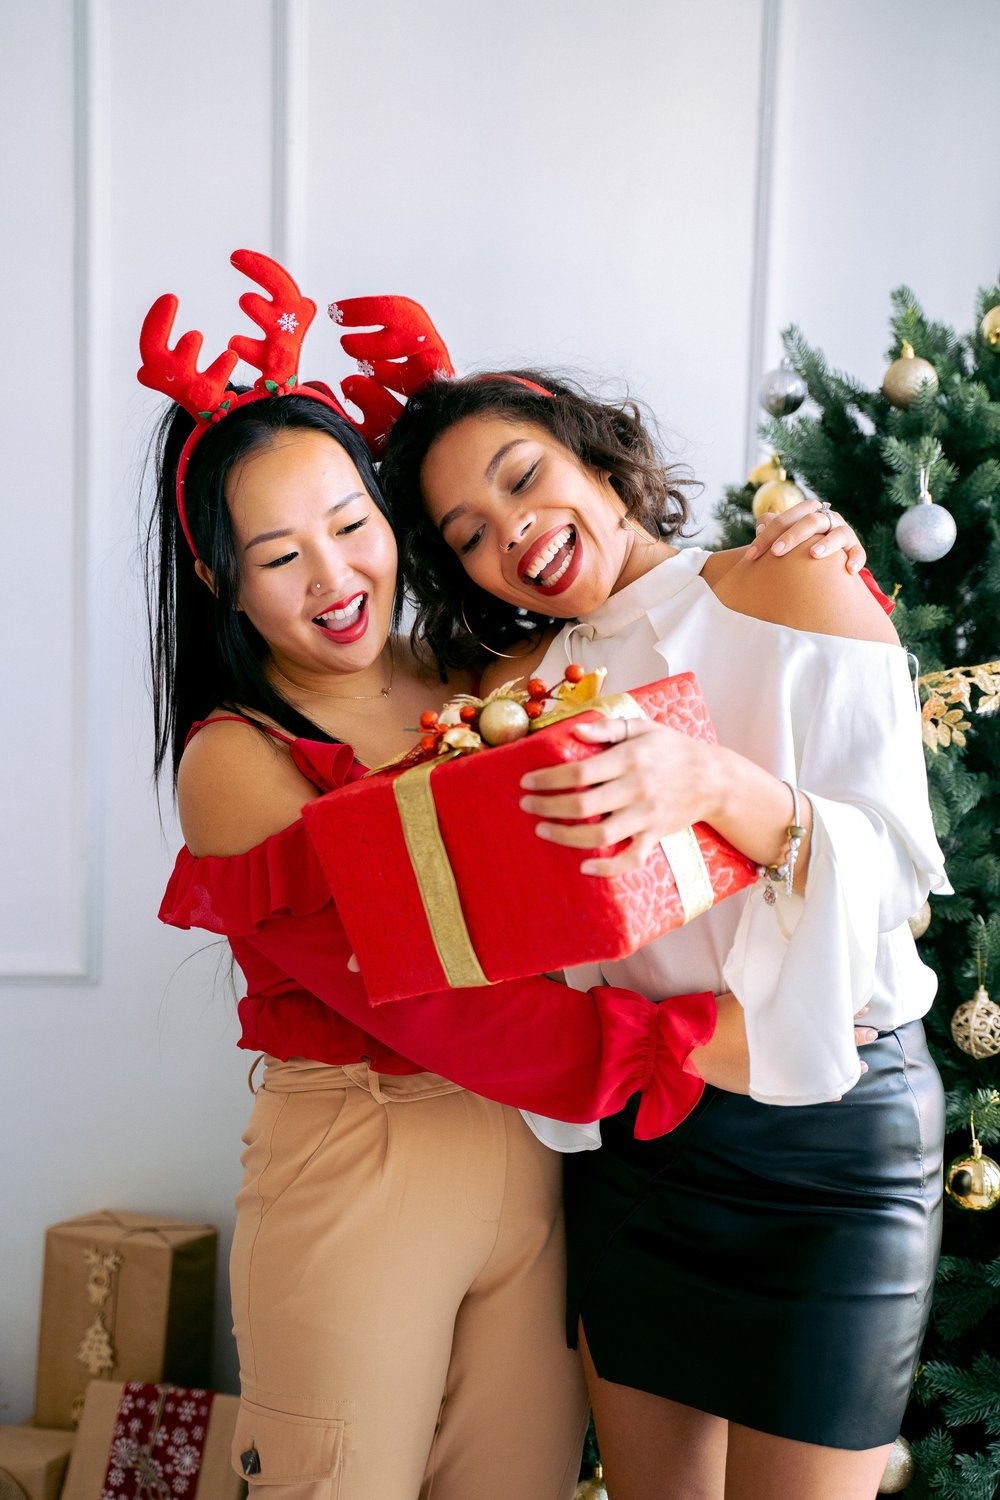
<point x="288" y="322"/>
<point x="336" y="312"/>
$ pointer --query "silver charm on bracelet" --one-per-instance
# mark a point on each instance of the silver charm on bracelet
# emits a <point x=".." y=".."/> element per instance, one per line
<point x="785" y="872"/>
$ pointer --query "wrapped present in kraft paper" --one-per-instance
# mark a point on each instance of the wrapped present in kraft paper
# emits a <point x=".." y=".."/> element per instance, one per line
<point x="126" y="1296"/>
<point x="33" y="1462"/>
<point x="157" y="1442"/>
<point x="475" y="895"/>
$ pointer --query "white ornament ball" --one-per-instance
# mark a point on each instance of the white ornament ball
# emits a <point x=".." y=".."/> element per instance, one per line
<point x="926" y="532"/>
<point x="503" y="721"/>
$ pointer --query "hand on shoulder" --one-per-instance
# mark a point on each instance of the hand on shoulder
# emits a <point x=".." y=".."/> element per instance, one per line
<point x="806" y="593"/>
<point x="237" y="786"/>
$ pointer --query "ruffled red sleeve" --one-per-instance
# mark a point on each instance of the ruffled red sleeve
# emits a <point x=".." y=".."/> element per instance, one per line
<point x="574" y="1055"/>
<point x="532" y="1043"/>
<point x="279" y="878"/>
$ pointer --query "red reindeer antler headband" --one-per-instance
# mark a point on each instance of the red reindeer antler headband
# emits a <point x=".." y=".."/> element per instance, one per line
<point x="283" y="318"/>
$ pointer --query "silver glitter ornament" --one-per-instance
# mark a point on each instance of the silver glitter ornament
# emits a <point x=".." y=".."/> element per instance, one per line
<point x="783" y="390"/>
<point x="926" y="531"/>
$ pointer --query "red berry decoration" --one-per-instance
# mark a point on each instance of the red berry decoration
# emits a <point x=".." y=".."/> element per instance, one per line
<point x="428" y="719"/>
<point x="468" y="713"/>
<point x="534" y="710"/>
<point x="537" y="688"/>
<point x="428" y="742"/>
<point x="574" y="672"/>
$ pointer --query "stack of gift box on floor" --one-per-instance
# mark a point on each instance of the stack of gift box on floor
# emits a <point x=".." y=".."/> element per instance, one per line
<point x="122" y="1405"/>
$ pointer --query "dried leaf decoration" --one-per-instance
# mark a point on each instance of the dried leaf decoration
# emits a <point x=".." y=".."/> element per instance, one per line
<point x="949" y="699"/>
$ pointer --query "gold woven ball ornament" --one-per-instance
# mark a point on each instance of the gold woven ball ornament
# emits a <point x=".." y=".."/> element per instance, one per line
<point x="906" y="375"/>
<point x="776" y="496"/>
<point x="592" y="1489"/>
<point x="920" y="921"/>
<point x="975" y="1026"/>
<point x="899" y="1469"/>
<point x="990" y="329"/>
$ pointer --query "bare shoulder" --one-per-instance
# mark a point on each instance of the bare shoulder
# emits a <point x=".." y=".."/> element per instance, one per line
<point x="235" y="788"/>
<point x="806" y="593"/>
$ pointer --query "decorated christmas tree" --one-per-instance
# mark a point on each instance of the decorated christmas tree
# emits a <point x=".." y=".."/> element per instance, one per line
<point x="915" y="467"/>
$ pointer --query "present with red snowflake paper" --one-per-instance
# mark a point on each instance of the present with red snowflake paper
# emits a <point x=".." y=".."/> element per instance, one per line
<point x="160" y="1442"/>
<point x="124" y="1296"/>
<point x="440" y="879"/>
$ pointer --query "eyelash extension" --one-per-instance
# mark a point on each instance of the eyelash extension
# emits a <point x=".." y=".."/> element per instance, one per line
<point x="472" y="542"/>
<point x="277" y="562"/>
<point x="354" y="526"/>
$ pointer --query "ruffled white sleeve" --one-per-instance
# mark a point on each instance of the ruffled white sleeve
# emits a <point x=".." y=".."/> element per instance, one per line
<point x="803" y="967"/>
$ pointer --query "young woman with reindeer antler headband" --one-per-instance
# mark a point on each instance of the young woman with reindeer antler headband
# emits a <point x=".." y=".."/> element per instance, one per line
<point x="397" y="1265"/>
<point x="750" y="1292"/>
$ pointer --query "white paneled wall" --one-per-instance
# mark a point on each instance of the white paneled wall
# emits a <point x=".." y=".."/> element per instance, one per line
<point x="558" y="180"/>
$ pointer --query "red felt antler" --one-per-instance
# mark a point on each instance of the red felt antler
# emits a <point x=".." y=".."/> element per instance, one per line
<point x="284" y="319"/>
<point x="175" y="371"/>
<point x="403" y="353"/>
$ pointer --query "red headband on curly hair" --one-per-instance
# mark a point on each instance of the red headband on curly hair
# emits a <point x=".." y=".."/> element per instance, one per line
<point x="283" y="317"/>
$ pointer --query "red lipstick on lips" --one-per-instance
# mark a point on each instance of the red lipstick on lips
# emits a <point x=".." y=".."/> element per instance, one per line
<point x="570" y="575"/>
<point x="352" y="632"/>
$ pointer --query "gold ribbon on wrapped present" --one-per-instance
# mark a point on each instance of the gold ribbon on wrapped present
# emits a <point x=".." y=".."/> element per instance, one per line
<point x="429" y="858"/>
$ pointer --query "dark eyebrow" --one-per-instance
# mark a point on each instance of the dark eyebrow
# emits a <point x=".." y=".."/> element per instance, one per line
<point x="489" y="474"/>
<point x="272" y="536"/>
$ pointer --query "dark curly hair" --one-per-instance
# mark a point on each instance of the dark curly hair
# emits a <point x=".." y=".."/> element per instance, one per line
<point x="453" y="615"/>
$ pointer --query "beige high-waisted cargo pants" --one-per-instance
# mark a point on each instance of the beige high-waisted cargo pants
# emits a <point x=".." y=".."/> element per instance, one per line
<point x="398" y="1285"/>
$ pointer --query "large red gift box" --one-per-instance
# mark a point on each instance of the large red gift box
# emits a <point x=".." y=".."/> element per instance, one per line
<point x="440" y="879"/>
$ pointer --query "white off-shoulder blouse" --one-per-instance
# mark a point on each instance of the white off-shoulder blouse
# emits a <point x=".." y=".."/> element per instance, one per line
<point x="838" y="718"/>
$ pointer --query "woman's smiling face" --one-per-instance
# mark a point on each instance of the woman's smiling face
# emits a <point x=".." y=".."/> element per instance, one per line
<point x="317" y="558"/>
<point x="529" y="522"/>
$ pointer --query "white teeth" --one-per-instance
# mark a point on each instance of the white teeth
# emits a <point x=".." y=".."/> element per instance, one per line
<point x="548" y="582"/>
<point x="548" y="553"/>
<point x="336" y="619"/>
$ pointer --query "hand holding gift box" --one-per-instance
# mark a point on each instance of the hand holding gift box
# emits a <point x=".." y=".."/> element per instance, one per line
<point x="476" y="897"/>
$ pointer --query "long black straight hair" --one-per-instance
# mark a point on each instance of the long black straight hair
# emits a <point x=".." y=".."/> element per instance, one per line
<point x="203" y="652"/>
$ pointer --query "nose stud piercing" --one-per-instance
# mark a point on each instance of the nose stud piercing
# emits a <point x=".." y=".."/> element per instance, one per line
<point x="317" y="588"/>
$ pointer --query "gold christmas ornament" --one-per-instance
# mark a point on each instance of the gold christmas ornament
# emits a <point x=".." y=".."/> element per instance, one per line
<point x="503" y="721"/>
<point x="899" y="1469"/>
<point x="592" y="1489"/>
<point x="920" y="921"/>
<point x="990" y="328"/>
<point x="975" y="1026"/>
<point x="769" y="469"/>
<point x="905" y="377"/>
<point x="973" y="1181"/>
<point x="778" y="495"/>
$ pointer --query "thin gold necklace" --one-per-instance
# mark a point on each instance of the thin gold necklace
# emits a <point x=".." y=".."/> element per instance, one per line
<point x="383" y="692"/>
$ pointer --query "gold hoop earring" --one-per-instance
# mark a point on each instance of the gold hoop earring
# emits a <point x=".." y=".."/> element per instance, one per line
<point x="507" y="655"/>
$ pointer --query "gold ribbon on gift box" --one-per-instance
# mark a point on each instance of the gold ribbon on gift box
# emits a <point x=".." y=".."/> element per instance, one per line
<point x="432" y="868"/>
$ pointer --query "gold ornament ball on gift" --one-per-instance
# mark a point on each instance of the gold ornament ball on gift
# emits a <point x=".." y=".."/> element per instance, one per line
<point x="779" y="494"/>
<point x="905" y="377"/>
<point x="973" y="1181"/>
<point x="990" y="328"/>
<point x="899" y="1469"/>
<point x="975" y="1026"/>
<point x="592" y="1489"/>
<point x="920" y="921"/>
<point x="502" y="721"/>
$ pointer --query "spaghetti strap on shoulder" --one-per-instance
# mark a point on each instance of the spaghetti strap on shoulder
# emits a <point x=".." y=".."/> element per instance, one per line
<point x="277" y="734"/>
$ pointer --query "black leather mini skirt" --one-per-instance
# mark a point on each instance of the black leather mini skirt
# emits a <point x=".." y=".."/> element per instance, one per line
<point x="769" y="1265"/>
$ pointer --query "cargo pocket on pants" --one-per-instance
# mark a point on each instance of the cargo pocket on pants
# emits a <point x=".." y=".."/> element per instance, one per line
<point x="275" y="1447"/>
